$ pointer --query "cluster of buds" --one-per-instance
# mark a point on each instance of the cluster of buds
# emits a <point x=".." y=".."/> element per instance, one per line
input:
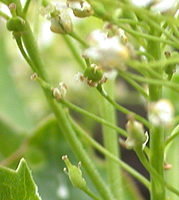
<point x="75" y="174"/>
<point x="80" y="8"/>
<point x="137" y="137"/>
<point x="161" y="113"/>
<point x="60" y="91"/>
<point x="93" y="76"/>
<point x="61" y="21"/>
<point x="105" y="50"/>
<point x="61" y="14"/>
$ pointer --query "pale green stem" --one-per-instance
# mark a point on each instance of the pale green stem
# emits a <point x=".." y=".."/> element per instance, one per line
<point x="74" y="51"/>
<point x="94" y="117"/>
<point x="126" y="167"/>
<point x="121" y="108"/>
<point x="111" y="143"/>
<point x="33" y="53"/>
<point x="3" y="15"/>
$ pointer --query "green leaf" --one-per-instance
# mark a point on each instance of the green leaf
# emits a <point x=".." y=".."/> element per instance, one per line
<point x="17" y="184"/>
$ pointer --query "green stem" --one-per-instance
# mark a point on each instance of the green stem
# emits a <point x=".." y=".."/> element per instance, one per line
<point x="154" y="83"/>
<point x="64" y="125"/>
<point x="173" y="135"/>
<point x="94" y="117"/>
<point x="76" y="37"/>
<point x="74" y="52"/>
<point x="135" y="85"/>
<point x="27" y="3"/>
<point x="3" y="15"/>
<point x="89" y="193"/>
<point x="110" y="139"/>
<point x="121" y="108"/>
<point x="157" y="162"/>
<point x="126" y="167"/>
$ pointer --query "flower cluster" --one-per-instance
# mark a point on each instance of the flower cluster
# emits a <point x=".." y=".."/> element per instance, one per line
<point x="61" y="14"/>
<point x="105" y="50"/>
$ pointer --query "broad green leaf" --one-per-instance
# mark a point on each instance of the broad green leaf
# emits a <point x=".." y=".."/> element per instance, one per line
<point x="17" y="184"/>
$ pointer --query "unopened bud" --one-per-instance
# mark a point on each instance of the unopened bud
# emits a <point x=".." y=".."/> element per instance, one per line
<point x="61" y="22"/>
<point x="75" y="174"/>
<point x="80" y="8"/>
<point x="136" y="134"/>
<point x="59" y="92"/>
<point x="16" y="24"/>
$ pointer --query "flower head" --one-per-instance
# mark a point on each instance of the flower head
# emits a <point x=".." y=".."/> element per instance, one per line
<point x="161" y="113"/>
<point x="106" y="51"/>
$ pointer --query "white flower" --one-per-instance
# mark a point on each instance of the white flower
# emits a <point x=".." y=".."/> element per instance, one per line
<point x="106" y="51"/>
<point x="161" y="113"/>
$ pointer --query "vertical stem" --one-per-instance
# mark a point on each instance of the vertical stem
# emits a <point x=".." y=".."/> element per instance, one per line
<point x="111" y="144"/>
<point x="157" y="162"/>
<point x="156" y="134"/>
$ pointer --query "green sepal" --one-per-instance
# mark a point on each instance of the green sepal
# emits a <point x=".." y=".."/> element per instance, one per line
<point x="92" y="74"/>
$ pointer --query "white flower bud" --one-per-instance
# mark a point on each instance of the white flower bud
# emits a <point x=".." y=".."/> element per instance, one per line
<point x="136" y="135"/>
<point x="80" y="8"/>
<point x="161" y="113"/>
<point x="61" y="22"/>
<point x="59" y="92"/>
<point x="108" y="52"/>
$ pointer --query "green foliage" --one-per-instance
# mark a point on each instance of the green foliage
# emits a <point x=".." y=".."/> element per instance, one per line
<point x="17" y="184"/>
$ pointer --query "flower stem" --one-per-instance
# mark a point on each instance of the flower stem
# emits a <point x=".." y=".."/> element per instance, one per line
<point x="110" y="139"/>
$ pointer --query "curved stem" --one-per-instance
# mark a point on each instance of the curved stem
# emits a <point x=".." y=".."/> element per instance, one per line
<point x="121" y="108"/>
<point x="94" y="117"/>
<point x="129" y="169"/>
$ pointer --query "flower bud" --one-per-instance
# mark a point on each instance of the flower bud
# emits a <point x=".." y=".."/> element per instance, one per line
<point x="75" y="174"/>
<point x="136" y="134"/>
<point x="80" y="8"/>
<point x="16" y="24"/>
<point x="61" y="22"/>
<point x="59" y="92"/>
<point x="161" y="113"/>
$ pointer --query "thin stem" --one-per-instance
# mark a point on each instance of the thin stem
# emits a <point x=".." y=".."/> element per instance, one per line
<point x="27" y="3"/>
<point x="111" y="143"/>
<point x="152" y="81"/>
<point x="75" y="52"/>
<point x="3" y="15"/>
<point x="173" y="135"/>
<point x="121" y="108"/>
<point x="131" y="31"/>
<point x="76" y="37"/>
<point x="93" y="116"/>
<point x="89" y="193"/>
<point x="129" y="169"/>
<point x="32" y="50"/>
<point x="135" y="85"/>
